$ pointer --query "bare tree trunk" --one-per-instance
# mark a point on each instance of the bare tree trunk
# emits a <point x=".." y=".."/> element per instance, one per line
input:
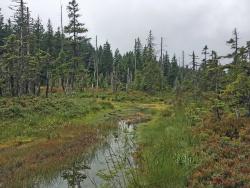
<point x="62" y="83"/>
<point x="112" y="82"/>
<point x="26" y="87"/>
<point x="12" y="86"/>
<point x="183" y="65"/>
<point x="52" y="81"/>
<point x="96" y="65"/>
<point x="47" y="84"/>
<point x="128" y="80"/>
<point x="22" y="46"/>
<point x="237" y="113"/>
<point x="34" y="88"/>
<point x="67" y="84"/>
<point x="38" y="87"/>
<point x="135" y="57"/>
<point x="62" y="31"/>
<point x="247" y="114"/>
<point x="18" y="88"/>
<point x="161" y="54"/>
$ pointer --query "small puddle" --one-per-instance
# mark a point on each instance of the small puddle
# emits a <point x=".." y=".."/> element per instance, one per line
<point x="108" y="165"/>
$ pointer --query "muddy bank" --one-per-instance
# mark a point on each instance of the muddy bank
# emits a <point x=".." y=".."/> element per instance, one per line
<point x="25" y="164"/>
<point x="108" y="165"/>
<point x="20" y="165"/>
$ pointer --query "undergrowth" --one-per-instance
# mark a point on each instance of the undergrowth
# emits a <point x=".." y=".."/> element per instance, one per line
<point x="37" y="117"/>
<point x="166" y="155"/>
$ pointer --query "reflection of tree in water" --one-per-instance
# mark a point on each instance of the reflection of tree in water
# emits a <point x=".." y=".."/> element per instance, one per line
<point x="75" y="175"/>
<point x="119" y="160"/>
<point x="111" y="164"/>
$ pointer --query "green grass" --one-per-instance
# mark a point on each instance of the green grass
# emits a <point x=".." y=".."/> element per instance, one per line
<point x="28" y="118"/>
<point x="166" y="142"/>
<point x="165" y="156"/>
<point x="38" y="117"/>
<point x="44" y="135"/>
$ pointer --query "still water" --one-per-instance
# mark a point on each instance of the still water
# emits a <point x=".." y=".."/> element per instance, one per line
<point x="108" y="166"/>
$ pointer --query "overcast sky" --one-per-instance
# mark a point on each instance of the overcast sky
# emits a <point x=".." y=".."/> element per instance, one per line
<point x="184" y="24"/>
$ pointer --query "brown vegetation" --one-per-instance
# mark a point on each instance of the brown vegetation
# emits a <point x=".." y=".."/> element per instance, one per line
<point x="226" y="147"/>
<point x="21" y="163"/>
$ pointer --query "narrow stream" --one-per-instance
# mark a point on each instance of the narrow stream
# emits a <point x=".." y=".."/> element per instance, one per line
<point x="107" y="166"/>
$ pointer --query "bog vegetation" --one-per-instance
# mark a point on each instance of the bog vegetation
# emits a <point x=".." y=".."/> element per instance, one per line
<point x="57" y="90"/>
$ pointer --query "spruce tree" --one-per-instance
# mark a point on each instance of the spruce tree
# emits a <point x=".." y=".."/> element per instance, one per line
<point x="174" y="72"/>
<point x="234" y="43"/>
<point x="50" y="50"/>
<point x="150" y="47"/>
<point x="57" y="42"/>
<point x="48" y="38"/>
<point x="10" y="65"/>
<point x="166" y="65"/>
<point x="116" y="68"/>
<point x="2" y="29"/>
<point x="107" y="60"/>
<point x="238" y="87"/>
<point x="138" y="54"/>
<point x="38" y="36"/>
<point x="38" y="32"/>
<point x="152" y="77"/>
<point x="62" y="69"/>
<point x="194" y="62"/>
<point x="21" y="31"/>
<point x="205" y="53"/>
<point x="75" y="30"/>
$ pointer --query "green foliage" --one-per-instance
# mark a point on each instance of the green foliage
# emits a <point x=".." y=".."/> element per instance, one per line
<point x="218" y="107"/>
<point x="106" y="66"/>
<point x="32" y="56"/>
<point x="166" y="156"/>
<point x="194" y="113"/>
<point x="237" y="93"/>
<point x="138" y="83"/>
<point x="173" y="72"/>
<point x="74" y="27"/>
<point x="36" y="117"/>
<point x="10" y="65"/>
<point x="168" y="112"/>
<point x="152" y="77"/>
<point x="212" y="75"/>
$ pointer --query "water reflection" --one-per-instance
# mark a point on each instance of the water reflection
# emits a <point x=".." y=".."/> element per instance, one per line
<point x="75" y="175"/>
<point x="108" y="166"/>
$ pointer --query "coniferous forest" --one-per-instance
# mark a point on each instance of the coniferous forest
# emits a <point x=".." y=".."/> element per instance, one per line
<point x="65" y="98"/>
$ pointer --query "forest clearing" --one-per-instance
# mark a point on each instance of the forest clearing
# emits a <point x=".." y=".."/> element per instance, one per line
<point x="38" y="145"/>
<point x="76" y="112"/>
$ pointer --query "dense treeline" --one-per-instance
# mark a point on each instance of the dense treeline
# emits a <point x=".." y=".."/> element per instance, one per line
<point x="34" y="56"/>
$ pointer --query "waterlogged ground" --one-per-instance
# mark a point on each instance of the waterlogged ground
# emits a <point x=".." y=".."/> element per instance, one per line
<point x="80" y="141"/>
<point x="107" y="165"/>
<point x="40" y="138"/>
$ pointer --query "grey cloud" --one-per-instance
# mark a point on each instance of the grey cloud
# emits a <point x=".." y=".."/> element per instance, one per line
<point x="185" y="24"/>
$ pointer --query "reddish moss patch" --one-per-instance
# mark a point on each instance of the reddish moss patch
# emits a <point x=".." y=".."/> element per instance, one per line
<point x="19" y="164"/>
<point x="226" y="146"/>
